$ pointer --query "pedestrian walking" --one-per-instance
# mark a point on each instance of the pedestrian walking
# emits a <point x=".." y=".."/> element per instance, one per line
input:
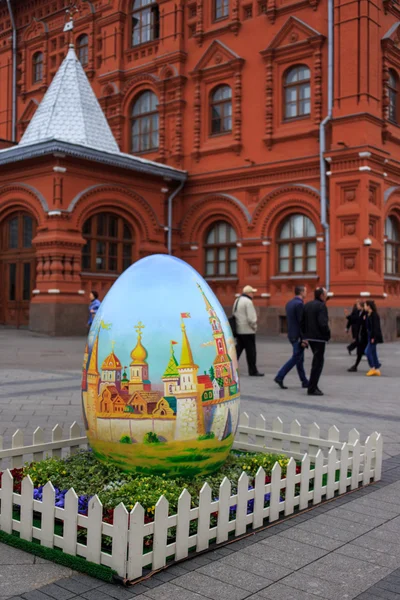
<point x="361" y="335"/>
<point x="294" y="316"/>
<point x="315" y="330"/>
<point x="93" y="307"/>
<point x="245" y="316"/>
<point x="353" y="325"/>
<point x="374" y="338"/>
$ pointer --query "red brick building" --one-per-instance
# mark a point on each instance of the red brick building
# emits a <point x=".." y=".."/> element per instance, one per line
<point x="258" y="140"/>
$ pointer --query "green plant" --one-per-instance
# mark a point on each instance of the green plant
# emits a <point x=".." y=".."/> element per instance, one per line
<point x="207" y="436"/>
<point x="151" y="438"/>
<point x="125" y="439"/>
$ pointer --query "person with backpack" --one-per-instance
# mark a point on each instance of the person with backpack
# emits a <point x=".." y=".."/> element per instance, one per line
<point x="244" y="321"/>
<point x="294" y="315"/>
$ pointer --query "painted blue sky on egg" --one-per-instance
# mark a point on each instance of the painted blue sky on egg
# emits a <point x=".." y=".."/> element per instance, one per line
<point x="155" y="291"/>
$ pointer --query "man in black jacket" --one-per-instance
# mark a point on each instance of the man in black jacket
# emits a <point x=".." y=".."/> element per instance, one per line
<point x="294" y="315"/>
<point x="315" y="330"/>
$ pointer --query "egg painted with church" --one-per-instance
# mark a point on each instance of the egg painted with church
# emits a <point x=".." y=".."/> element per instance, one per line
<point x="160" y="385"/>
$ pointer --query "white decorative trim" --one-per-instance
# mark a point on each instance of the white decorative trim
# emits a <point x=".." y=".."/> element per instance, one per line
<point x="364" y="169"/>
<point x="385" y="174"/>
<point x="385" y="295"/>
<point x="364" y="154"/>
<point x="329" y="173"/>
<point x="330" y="294"/>
<point x="35" y="292"/>
<point x="367" y="242"/>
<point x="365" y="294"/>
<point x="265" y="295"/>
<point x="299" y="276"/>
<point x="320" y="239"/>
<point x="194" y="247"/>
<point x="164" y="190"/>
<point x="53" y="291"/>
<point x="54" y="213"/>
<point x="266" y="243"/>
<point x="328" y="159"/>
<point x="59" y="169"/>
<point x="81" y="292"/>
<point x="239" y="244"/>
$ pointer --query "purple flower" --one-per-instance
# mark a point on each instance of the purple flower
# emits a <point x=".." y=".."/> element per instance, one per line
<point x="83" y="503"/>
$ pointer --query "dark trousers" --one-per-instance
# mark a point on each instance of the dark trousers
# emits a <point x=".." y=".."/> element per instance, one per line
<point x="352" y="346"/>
<point x="247" y="342"/>
<point x="361" y="347"/>
<point x="296" y="360"/>
<point x="318" y="350"/>
<point x="372" y="355"/>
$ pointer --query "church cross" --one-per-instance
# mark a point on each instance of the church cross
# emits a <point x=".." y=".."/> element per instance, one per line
<point x="72" y="11"/>
<point x="138" y="328"/>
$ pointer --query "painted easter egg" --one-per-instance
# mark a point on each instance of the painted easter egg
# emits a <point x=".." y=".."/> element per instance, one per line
<point x="160" y="385"/>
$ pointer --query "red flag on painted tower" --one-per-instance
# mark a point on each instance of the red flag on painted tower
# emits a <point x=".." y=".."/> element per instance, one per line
<point x="173" y="343"/>
<point x="185" y="315"/>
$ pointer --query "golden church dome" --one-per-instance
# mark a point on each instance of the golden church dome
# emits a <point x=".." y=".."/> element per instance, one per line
<point x="111" y="363"/>
<point x="139" y="353"/>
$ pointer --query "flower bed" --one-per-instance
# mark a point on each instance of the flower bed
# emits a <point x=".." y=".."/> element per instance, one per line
<point x="131" y="522"/>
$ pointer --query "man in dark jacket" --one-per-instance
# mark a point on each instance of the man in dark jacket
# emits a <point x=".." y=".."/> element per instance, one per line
<point x="294" y="315"/>
<point x="315" y="330"/>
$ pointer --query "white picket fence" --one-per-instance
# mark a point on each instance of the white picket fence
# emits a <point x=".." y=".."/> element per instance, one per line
<point x="128" y="556"/>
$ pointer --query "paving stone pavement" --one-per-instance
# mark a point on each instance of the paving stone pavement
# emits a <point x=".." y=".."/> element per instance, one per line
<point x="346" y="549"/>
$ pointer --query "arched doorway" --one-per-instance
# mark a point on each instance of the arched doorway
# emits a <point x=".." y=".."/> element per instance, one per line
<point x="17" y="268"/>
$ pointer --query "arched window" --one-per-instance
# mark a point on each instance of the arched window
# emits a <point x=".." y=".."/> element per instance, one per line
<point x="221" y="250"/>
<point x="393" y="87"/>
<point x="297" y="248"/>
<point x="145" y="123"/>
<point x="109" y="244"/>
<point x="145" y="21"/>
<point x="297" y="92"/>
<point x="37" y="66"/>
<point x="221" y="110"/>
<point x="392" y="247"/>
<point x="82" y="46"/>
<point x="220" y="9"/>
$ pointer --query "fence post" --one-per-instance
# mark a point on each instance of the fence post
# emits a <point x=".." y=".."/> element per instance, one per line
<point x="74" y="432"/>
<point x="203" y="525"/>
<point x="70" y="522"/>
<point x="378" y="457"/>
<point x="344" y="465"/>
<point x="304" y="482"/>
<point x="56" y="436"/>
<point x="120" y="540"/>
<point x="275" y="495"/>
<point x="276" y="442"/>
<point x="241" y="504"/>
<point x="331" y="473"/>
<point x="48" y="512"/>
<point x="38" y="438"/>
<point x="313" y="432"/>
<point x="243" y="422"/>
<point x="183" y="525"/>
<point x="260" y="424"/>
<point x="94" y="525"/>
<point x="26" y="509"/>
<point x="160" y="533"/>
<point x="369" y="443"/>
<point x="135" y="540"/>
<point x="224" y="500"/>
<point x="17" y="441"/>
<point x="295" y="429"/>
<point x="6" y="515"/>
<point x="290" y="484"/>
<point x="259" y="494"/>
<point x="319" y="464"/>
<point x="356" y="464"/>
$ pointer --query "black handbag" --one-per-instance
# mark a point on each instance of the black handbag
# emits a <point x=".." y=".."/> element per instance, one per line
<point x="232" y="320"/>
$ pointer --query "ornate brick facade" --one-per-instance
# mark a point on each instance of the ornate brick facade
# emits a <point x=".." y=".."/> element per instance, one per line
<point x="252" y="157"/>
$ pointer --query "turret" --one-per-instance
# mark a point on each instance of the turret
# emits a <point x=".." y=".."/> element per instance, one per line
<point x="139" y="369"/>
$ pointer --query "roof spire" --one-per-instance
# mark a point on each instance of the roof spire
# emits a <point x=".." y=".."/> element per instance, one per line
<point x="69" y="25"/>
<point x="186" y="354"/>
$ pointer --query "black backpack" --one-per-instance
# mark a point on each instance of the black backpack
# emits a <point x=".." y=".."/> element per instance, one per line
<point x="232" y="319"/>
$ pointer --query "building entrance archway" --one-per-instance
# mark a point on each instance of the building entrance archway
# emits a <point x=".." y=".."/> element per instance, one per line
<point x="17" y="268"/>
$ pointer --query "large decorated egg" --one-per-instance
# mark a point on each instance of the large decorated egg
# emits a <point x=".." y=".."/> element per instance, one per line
<point x="160" y="386"/>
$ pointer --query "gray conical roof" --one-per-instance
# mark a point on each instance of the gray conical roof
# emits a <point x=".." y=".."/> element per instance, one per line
<point x="70" y="111"/>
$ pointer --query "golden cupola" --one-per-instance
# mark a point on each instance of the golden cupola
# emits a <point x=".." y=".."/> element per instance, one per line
<point x="139" y="353"/>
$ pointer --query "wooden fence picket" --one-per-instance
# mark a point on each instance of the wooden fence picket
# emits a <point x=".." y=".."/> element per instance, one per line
<point x="223" y="510"/>
<point x="56" y="436"/>
<point x="74" y="432"/>
<point x="37" y="439"/>
<point x="244" y="421"/>
<point x="295" y="430"/>
<point x="17" y="441"/>
<point x="378" y="457"/>
<point x="355" y="471"/>
<point x="241" y="505"/>
<point x="276" y="441"/>
<point x="318" y="472"/>
<point x="290" y="486"/>
<point x="160" y="533"/>
<point x="261" y="423"/>
<point x="183" y="525"/>
<point x="314" y="434"/>
<point x="48" y="514"/>
<point x="344" y="465"/>
<point x="333" y="434"/>
<point x="368" y="449"/>
<point x="135" y="542"/>
<point x="94" y="530"/>
<point x="120" y="540"/>
<point x="6" y="515"/>
<point x="331" y="474"/>
<point x="70" y="516"/>
<point x="353" y="436"/>
<point x="203" y="526"/>
<point x="26" y="516"/>
<point x="275" y="495"/>
<point x="259" y="495"/>
<point x="304" y="482"/>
